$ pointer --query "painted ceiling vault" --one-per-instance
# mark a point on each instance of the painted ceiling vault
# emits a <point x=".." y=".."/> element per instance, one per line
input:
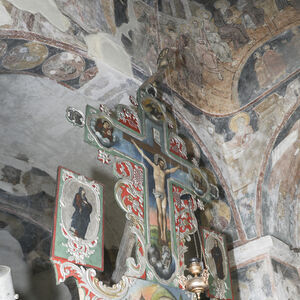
<point x="234" y="85"/>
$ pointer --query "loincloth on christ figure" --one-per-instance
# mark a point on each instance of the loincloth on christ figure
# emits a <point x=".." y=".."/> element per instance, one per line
<point x="159" y="195"/>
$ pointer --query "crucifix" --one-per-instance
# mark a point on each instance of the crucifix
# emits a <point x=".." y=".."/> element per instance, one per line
<point x="159" y="172"/>
<point x="159" y="186"/>
<point x="152" y="162"/>
<point x="159" y="167"/>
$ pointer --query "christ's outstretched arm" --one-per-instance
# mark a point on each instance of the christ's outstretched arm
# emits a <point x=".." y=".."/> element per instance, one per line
<point x="172" y="170"/>
<point x="142" y="153"/>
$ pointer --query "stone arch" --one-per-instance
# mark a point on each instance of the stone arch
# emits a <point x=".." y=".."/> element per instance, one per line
<point x="266" y="166"/>
<point x="235" y="214"/>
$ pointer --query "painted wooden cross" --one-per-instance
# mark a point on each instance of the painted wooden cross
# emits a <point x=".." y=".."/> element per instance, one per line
<point x="159" y="186"/>
<point x="149" y="154"/>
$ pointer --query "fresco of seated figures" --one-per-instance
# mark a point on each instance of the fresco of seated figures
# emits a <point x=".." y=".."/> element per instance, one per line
<point x="270" y="64"/>
<point x="212" y="73"/>
<point x="217" y="45"/>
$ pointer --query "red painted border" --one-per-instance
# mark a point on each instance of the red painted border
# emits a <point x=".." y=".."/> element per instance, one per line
<point x="25" y="35"/>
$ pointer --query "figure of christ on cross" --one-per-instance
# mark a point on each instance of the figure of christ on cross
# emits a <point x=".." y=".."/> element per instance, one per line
<point x="159" y="174"/>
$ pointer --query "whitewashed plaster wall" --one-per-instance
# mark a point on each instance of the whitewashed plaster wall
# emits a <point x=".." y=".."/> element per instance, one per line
<point x="36" y="138"/>
<point x="34" y="126"/>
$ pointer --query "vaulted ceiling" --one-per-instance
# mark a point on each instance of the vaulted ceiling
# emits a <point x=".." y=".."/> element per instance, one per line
<point x="234" y="83"/>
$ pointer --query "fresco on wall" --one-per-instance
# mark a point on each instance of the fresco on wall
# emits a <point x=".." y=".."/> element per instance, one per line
<point x="145" y="47"/>
<point x="243" y="138"/>
<point x="252" y="281"/>
<point x="235" y="148"/>
<point x="281" y="183"/>
<point x="239" y="155"/>
<point x="286" y="280"/>
<point x="88" y="17"/>
<point x="218" y="216"/>
<point x="210" y="43"/>
<point x="36" y="58"/>
<point x="211" y="40"/>
<point x="269" y="64"/>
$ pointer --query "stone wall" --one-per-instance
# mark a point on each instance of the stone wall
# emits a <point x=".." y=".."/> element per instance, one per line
<point x="265" y="269"/>
<point x="27" y="197"/>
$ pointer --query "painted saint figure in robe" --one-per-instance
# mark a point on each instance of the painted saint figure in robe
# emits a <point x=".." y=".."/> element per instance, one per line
<point x="273" y="62"/>
<point x="216" y="254"/>
<point x="104" y="132"/>
<point x="81" y="215"/>
<point x="204" y="53"/>
<point x="269" y="66"/>
<point x="262" y="74"/>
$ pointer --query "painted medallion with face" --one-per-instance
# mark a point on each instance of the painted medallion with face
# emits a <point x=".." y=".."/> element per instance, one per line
<point x="104" y="131"/>
<point x="25" y="56"/>
<point x="153" y="109"/>
<point x="63" y="66"/>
